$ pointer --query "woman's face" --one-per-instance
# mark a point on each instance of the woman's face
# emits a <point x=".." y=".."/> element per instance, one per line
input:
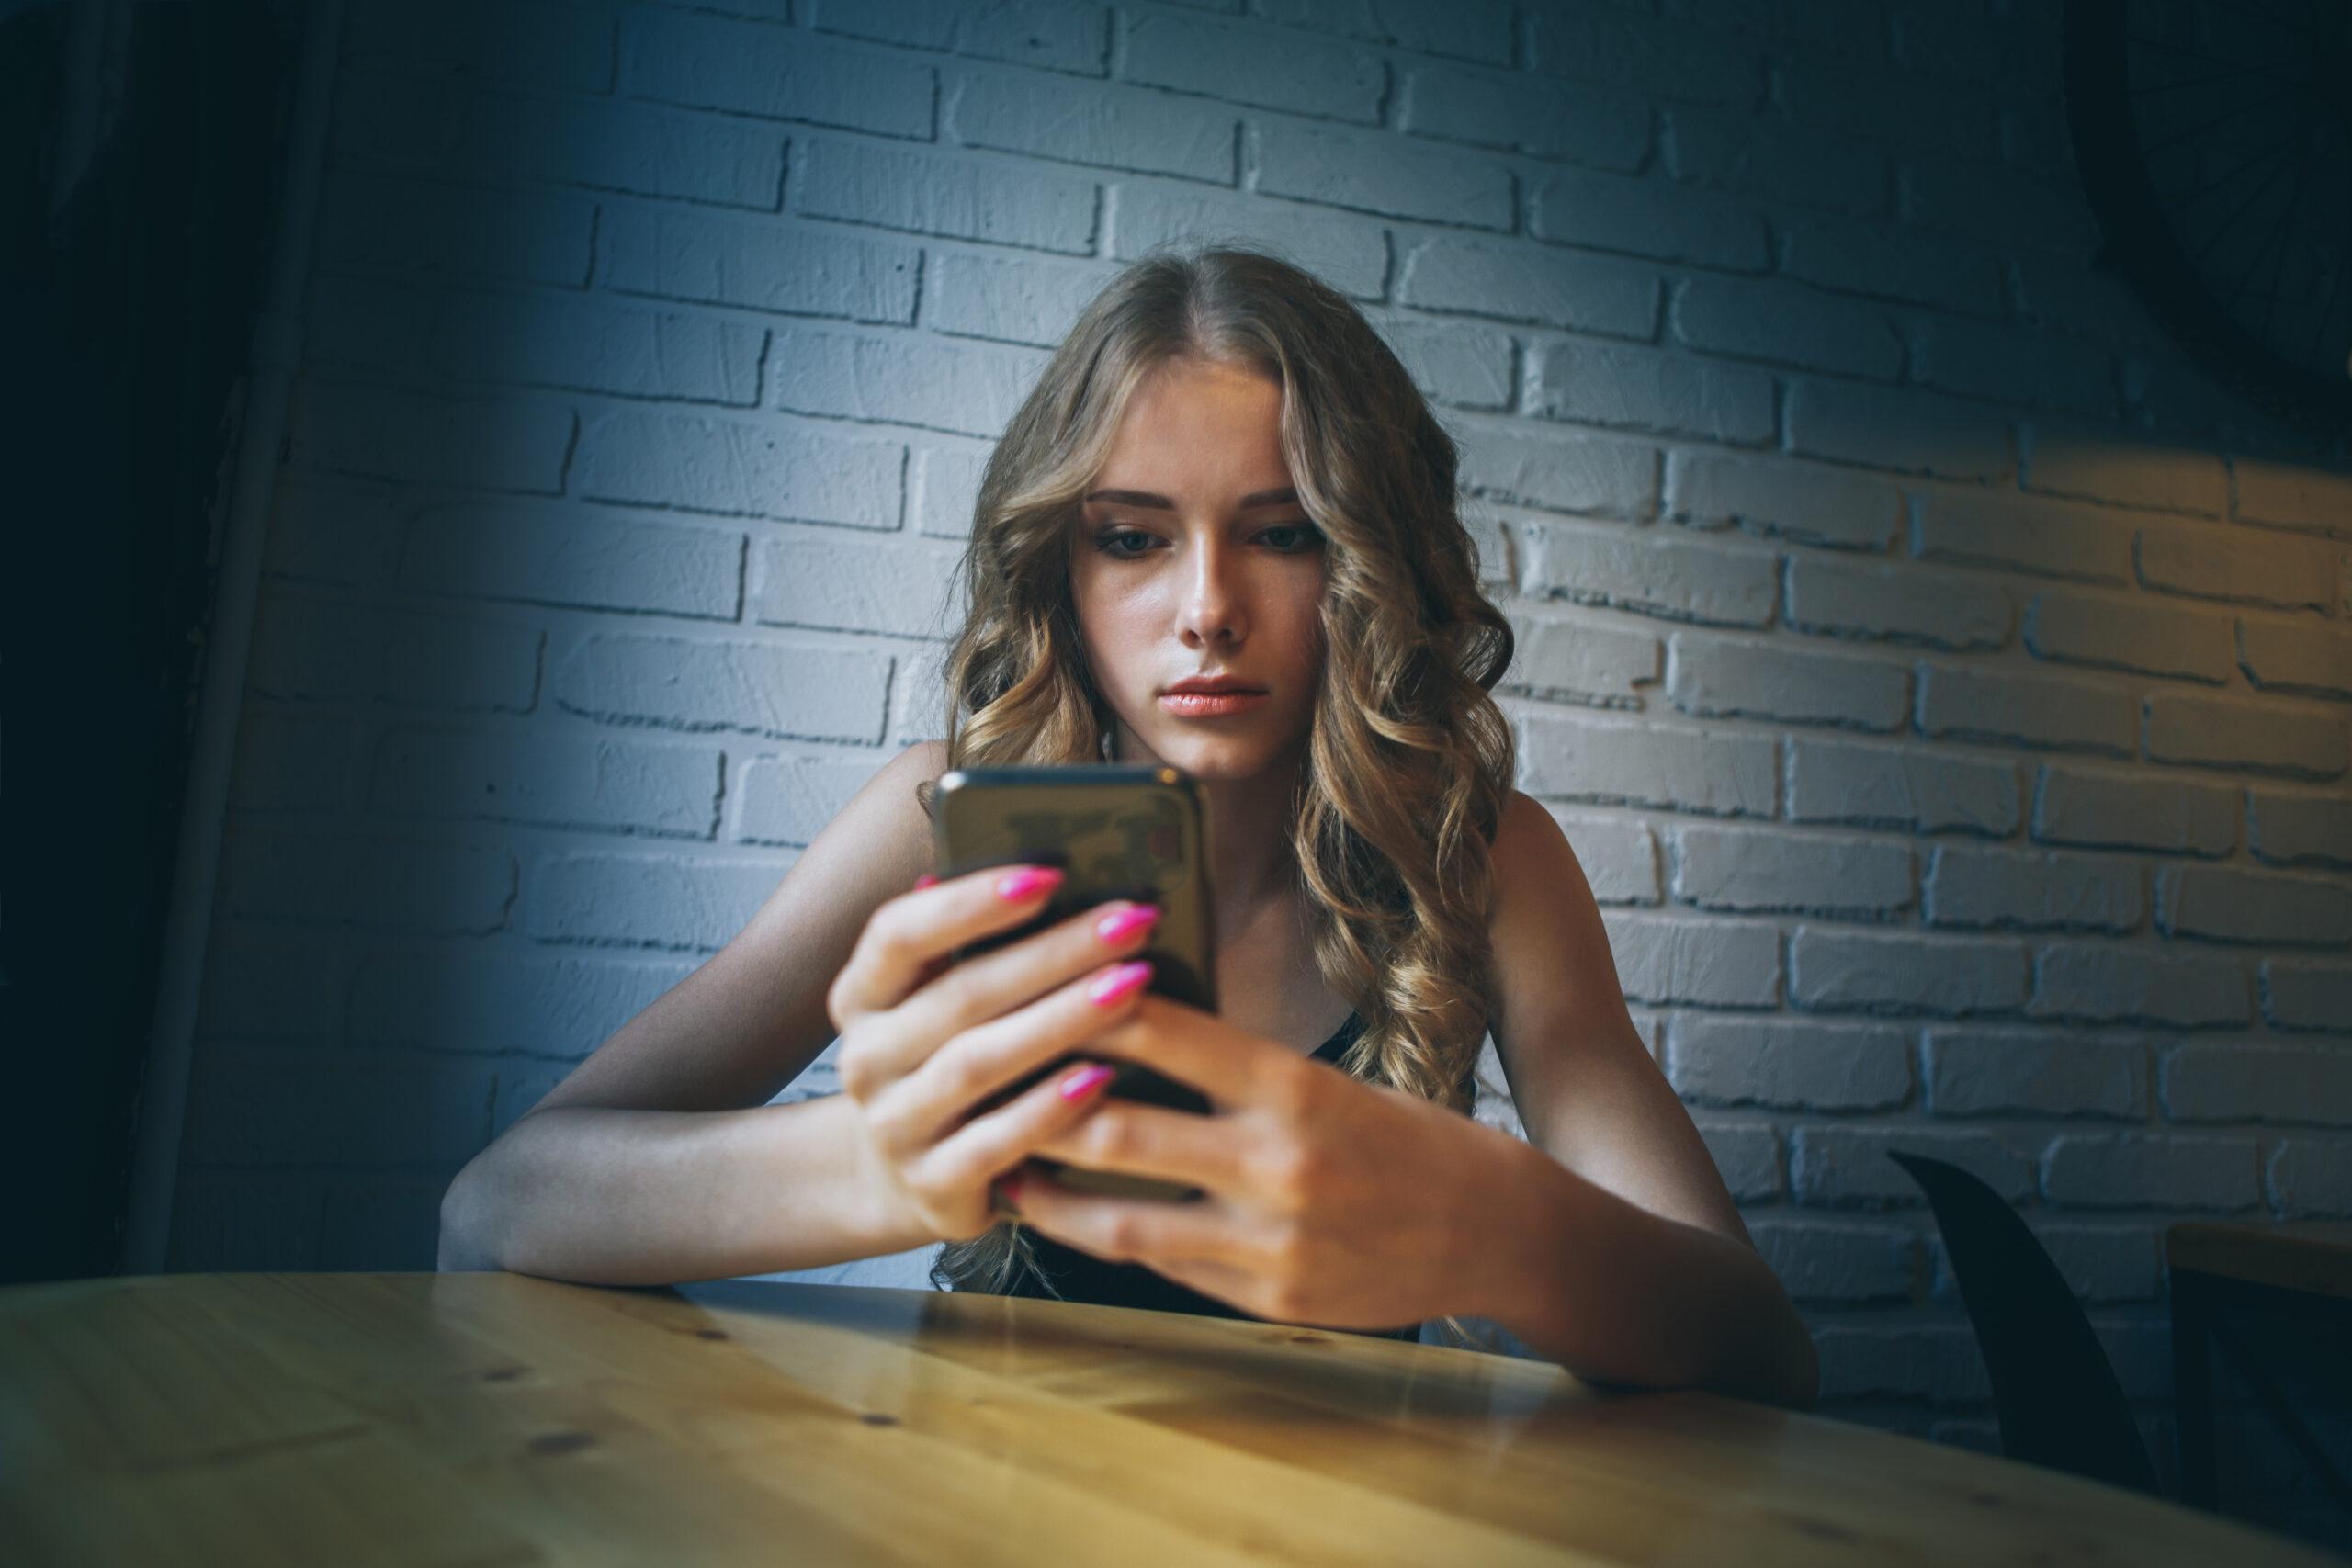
<point x="1193" y="557"/>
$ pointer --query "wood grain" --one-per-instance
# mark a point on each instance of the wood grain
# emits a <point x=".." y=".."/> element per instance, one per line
<point x="494" y="1418"/>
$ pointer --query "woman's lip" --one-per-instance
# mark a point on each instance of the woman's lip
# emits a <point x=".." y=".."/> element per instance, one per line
<point x="1206" y="705"/>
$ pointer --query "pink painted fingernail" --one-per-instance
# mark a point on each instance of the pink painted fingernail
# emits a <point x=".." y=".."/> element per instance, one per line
<point x="1009" y="1190"/>
<point x="925" y="880"/>
<point x="1116" y="929"/>
<point x="1084" y="1081"/>
<point x="1027" y="883"/>
<point x="1106" y="991"/>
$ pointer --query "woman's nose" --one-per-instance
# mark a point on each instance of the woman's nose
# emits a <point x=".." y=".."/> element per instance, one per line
<point x="1213" y="600"/>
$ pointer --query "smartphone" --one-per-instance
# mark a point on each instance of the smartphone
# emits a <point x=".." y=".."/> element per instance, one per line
<point x="1115" y="830"/>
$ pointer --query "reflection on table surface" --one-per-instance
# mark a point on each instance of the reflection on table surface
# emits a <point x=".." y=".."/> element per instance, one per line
<point x="484" y="1418"/>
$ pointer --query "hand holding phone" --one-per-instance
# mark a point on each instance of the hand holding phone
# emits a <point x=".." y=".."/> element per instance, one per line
<point x="945" y="1077"/>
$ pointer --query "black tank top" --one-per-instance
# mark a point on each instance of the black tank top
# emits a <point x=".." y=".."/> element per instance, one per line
<point x="1082" y="1277"/>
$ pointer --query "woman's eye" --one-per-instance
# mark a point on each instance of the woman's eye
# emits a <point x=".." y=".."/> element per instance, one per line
<point x="1128" y="544"/>
<point x="1109" y="542"/>
<point x="1309" y="537"/>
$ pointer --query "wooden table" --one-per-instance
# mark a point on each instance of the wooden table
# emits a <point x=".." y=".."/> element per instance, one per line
<point x="492" y="1418"/>
<point x="2222" y="1271"/>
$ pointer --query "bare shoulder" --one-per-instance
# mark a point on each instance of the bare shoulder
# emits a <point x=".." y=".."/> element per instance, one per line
<point x="1544" y="920"/>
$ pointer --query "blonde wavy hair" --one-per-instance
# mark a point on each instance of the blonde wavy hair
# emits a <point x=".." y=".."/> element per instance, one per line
<point x="1409" y="762"/>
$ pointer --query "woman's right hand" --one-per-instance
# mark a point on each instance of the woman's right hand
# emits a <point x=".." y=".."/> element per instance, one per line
<point x="924" y="1040"/>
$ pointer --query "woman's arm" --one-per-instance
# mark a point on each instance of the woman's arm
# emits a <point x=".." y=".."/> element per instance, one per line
<point x="1619" y="1251"/>
<point x="656" y="1159"/>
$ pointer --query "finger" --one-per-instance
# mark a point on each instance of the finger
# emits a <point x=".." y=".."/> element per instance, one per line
<point x="911" y="930"/>
<point x="1135" y="1139"/>
<point x="988" y="1145"/>
<point x="990" y="985"/>
<point x="930" y="1091"/>
<point x="1237" y="1288"/>
<point x="1127" y="1230"/>
<point x="1199" y="1049"/>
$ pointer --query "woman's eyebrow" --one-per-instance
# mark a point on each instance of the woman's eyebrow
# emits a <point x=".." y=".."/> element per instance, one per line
<point x="1146" y="498"/>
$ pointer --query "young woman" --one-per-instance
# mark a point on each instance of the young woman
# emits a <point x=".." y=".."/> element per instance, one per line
<point x="1223" y="479"/>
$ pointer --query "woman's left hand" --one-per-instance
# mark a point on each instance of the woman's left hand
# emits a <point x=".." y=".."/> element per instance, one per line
<point x="1328" y="1200"/>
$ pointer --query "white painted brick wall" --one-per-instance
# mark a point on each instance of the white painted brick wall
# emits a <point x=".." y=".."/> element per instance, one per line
<point x="1944" y="685"/>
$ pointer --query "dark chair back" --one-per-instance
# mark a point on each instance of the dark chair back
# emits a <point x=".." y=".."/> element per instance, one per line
<point x="2056" y="1396"/>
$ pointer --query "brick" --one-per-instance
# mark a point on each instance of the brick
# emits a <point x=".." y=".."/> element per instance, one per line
<point x="2105" y="1263"/>
<point x="1638" y="388"/>
<point x="242" y="1221"/>
<point x="373" y="223"/>
<point x="2293" y="496"/>
<point x="291" y="761"/>
<point x="1936" y="1363"/>
<point x="925" y="193"/>
<point x="2248" y="565"/>
<point x="918" y="695"/>
<point x="2310" y="1179"/>
<point x="1848" y="599"/>
<point x="320" y="650"/>
<point x="1918" y="433"/>
<point x="2261" y="1083"/>
<point x="320" y="531"/>
<point x="2150" y="1170"/>
<point x="1974" y="1072"/>
<point x="774" y="73"/>
<point x="2034" y="892"/>
<point x="541" y="44"/>
<point x="2007" y="208"/>
<point x="1605" y="213"/>
<point x="264" y="1107"/>
<point x="473" y="444"/>
<point x="2110" y="808"/>
<point x="1597" y="128"/>
<point x="435" y="999"/>
<point x="1293" y="74"/>
<point x="2108" y="983"/>
<point x="1784" y="500"/>
<point x="1845" y="971"/>
<point x="599" y="783"/>
<point x="1674" y="579"/>
<point x="1042" y="33"/>
<point x="574" y="556"/>
<point x="1591" y="294"/>
<point x="1578" y="660"/>
<point x="1884" y="106"/>
<point x="1658" y="60"/>
<point x="391" y="1224"/>
<point x="2060" y="293"/>
<point x="1848" y="1165"/>
<point x="946" y="489"/>
<point x="2283" y="657"/>
<point x="1848" y="1264"/>
<point x="1786" y="1064"/>
<point x="1391" y="178"/>
<point x="783" y="690"/>
<point x="1785" y="325"/>
<point x="802" y="582"/>
<point x="2033" y="710"/>
<point x="1617" y="854"/>
<point x="1719" y="868"/>
<point x="288" y="991"/>
<point x="1618" y="763"/>
<point x="374" y="884"/>
<point x="1477" y="29"/>
<point x="1559" y="472"/>
<point x="1469" y="367"/>
<point x="2095" y="465"/>
<point x="788" y="800"/>
<point x="2114" y="632"/>
<point x="2297" y="994"/>
<point x="1347" y="252"/>
<point x="599" y="348"/>
<point x="761" y="265"/>
<point x="2022" y="535"/>
<point x="1896" y="786"/>
<point x="963" y="388"/>
<point x="656" y="901"/>
<point x="1110" y="126"/>
<point x="1760" y="679"/>
<point x="1884" y="261"/>
<point x="1701" y="963"/>
<point x="1747" y="1157"/>
<point x="1774" y="162"/>
<point x="633" y="148"/>
<point x="2299" y="830"/>
<point x="2224" y="904"/>
<point x="2234" y="732"/>
<point x="2013" y="365"/>
<point x="739" y="467"/>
